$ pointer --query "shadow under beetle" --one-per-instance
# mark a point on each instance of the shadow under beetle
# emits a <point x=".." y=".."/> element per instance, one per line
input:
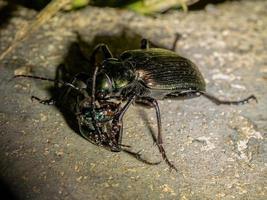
<point x="142" y="76"/>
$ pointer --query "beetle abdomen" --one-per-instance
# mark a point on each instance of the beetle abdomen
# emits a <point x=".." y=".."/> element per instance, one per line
<point x="161" y="69"/>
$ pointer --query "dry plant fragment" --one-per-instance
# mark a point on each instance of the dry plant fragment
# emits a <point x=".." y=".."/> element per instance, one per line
<point x="49" y="11"/>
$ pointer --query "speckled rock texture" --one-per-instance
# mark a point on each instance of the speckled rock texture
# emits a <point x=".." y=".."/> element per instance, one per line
<point x="220" y="151"/>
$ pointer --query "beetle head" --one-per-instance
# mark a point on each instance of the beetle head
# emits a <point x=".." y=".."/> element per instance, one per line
<point x="113" y="77"/>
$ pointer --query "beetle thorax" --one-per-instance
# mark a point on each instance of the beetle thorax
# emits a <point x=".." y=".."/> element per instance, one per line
<point x="114" y="77"/>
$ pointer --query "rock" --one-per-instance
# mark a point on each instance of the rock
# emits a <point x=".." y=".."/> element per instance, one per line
<point x="219" y="150"/>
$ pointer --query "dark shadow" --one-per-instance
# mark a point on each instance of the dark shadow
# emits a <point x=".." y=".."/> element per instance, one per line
<point x="6" y="13"/>
<point x="6" y="193"/>
<point x="40" y="4"/>
<point x="201" y="4"/>
<point x="32" y="4"/>
<point x="111" y="3"/>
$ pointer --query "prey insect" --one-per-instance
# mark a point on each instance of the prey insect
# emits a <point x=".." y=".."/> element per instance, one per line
<point x="100" y="122"/>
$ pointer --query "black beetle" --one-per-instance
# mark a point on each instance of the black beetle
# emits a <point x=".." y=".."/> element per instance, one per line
<point x="149" y="74"/>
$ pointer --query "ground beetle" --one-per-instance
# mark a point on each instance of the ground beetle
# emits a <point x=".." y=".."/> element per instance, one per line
<point x="149" y="74"/>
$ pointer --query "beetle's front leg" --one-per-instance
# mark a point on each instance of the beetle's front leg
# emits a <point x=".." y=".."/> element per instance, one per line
<point x="118" y="127"/>
<point x="105" y="51"/>
<point x="145" y="43"/>
<point x="78" y="77"/>
<point x="118" y="119"/>
<point x="153" y="103"/>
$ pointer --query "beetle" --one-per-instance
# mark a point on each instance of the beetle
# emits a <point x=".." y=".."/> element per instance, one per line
<point x="146" y="75"/>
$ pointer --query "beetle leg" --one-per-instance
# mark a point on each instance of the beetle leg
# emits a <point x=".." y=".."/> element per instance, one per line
<point x="117" y="120"/>
<point x="117" y="146"/>
<point x="119" y="116"/>
<point x="138" y="156"/>
<point x="153" y="103"/>
<point x="78" y="77"/>
<point x="105" y="51"/>
<point x="144" y="44"/>
<point x="177" y="37"/>
<point x="165" y="158"/>
<point x="100" y="47"/>
<point x="219" y="102"/>
<point x="115" y="134"/>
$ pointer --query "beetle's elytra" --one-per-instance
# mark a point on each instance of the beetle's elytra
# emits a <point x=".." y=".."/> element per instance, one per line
<point x="143" y="76"/>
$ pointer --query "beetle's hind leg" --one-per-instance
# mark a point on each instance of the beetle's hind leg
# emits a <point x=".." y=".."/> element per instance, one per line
<point x="104" y="50"/>
<point x="193" y="93"/>
<point x="226" y="102"/>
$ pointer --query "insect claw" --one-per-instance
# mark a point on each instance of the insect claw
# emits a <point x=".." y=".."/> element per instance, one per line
<point x="125" y="145"/>
<point x="253" y="97"/>
<point x="171" y="166"/>
<point x="138" y="156"/>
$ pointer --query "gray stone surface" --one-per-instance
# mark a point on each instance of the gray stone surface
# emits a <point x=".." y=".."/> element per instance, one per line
<point x="220" y="151"/>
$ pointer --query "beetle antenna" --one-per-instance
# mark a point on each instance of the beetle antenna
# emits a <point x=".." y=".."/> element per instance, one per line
<point x="49" y="79"/>
<point x="93" y="99"/>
